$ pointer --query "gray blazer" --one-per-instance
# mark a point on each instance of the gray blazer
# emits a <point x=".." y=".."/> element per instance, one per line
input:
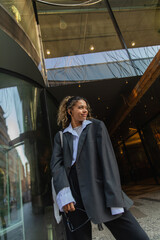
<point x="97" y="171"/>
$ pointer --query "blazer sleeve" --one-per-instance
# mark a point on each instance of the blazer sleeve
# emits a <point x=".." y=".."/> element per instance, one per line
<point x="111" y="178"/>
<point x="59" y="175"/>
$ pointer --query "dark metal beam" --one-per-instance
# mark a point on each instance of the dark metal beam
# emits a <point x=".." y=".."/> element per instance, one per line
<point x="35" y="11"/>
<point x="120" y="36"/>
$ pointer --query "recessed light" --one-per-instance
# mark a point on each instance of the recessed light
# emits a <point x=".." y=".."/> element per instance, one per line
<point x="48" y="52"/>
<point x="91" y="47"/>
<point x="133" y="44"/>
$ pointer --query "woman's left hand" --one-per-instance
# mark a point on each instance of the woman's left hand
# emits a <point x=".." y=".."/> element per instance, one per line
<point x="69" y="207"/>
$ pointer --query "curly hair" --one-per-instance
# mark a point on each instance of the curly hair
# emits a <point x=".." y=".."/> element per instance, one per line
<point x="68" y="102"/>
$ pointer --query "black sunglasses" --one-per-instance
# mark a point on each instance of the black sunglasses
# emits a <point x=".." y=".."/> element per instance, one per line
<point x="70" y="225"/>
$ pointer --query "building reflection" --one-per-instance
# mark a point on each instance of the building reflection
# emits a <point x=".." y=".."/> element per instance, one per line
<point x="13" y="183"/>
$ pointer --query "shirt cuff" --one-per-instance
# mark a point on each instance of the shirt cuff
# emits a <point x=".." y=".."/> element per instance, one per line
<point x="64" y="197"/>
<point x="116" y="210"/>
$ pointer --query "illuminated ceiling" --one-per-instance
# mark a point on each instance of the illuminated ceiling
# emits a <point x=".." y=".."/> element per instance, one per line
<point x="73" y="31"/>
<point x="70" y="31"/>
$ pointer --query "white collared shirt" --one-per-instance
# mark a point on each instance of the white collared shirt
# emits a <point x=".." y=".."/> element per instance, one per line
<point x="76" y="137"/>
<point x="65" y="196"/>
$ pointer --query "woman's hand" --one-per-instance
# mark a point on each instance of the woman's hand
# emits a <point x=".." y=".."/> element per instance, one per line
<point x="69" y="207"/>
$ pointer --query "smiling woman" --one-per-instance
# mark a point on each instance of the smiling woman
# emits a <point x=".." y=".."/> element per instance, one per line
<point x="86" y="177"/>
<point x="71" y="104"/>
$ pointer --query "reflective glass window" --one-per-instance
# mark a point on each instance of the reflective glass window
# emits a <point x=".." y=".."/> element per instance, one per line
<point x="23" y="13"/>
<point x="137" y="159"/>
<point x="26" y="206"/>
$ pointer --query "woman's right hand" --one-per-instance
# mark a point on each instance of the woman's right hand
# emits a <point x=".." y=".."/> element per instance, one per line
<point x="69" y="207"/>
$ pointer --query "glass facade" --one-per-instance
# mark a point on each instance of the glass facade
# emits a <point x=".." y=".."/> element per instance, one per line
<point x="76" y="35"/>
<point x="140" y="168"/>
<point x="138" y="155"/>
<point x="25" y="150"/>
<point x="19" y="21"/>
<point x="122" y="40"/>
<point x="23" y="13"/>
<point x="102" y="65"/>
<point x="142" y="25"/>
<point x="155" y="126"/>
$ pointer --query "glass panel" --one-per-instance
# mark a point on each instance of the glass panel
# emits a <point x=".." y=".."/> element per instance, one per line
<point x="155" y="126"/>
<point x="11" y="214"/>
<point x="151" y="138"/>
<point x="123" y="164"/>
<point x="23" y="13"/>
<point x="140" y="167"/>
<point x="142" y="25"/>
<point x="143" y="56"/>
<point x="95" y="66"/>
<point x="26" y="207"/>
<point x="67" y="34"/>
<point x="140" y="31"/>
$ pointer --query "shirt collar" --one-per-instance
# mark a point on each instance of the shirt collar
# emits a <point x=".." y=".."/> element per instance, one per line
<point x="71" y="130"/>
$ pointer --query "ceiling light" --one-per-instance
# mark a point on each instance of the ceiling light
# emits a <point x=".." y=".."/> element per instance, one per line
<point x="133" y="44"/>
<point x="48" y="52"/>
<point x="91" y="47"/>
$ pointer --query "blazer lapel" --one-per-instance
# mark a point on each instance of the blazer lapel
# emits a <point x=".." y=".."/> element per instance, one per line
<point x="81" y="140"/>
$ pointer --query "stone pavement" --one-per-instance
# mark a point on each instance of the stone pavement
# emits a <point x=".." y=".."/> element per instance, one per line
<point x="146" y="209"/>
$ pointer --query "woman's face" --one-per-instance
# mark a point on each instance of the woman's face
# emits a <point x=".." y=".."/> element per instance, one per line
<point x="78" y="112"/>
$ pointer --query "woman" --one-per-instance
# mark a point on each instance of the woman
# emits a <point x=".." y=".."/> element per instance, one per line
<point x="86" y="177"/>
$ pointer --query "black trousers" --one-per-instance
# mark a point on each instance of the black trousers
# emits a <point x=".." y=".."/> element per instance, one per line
<point x="125" y="227"/>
